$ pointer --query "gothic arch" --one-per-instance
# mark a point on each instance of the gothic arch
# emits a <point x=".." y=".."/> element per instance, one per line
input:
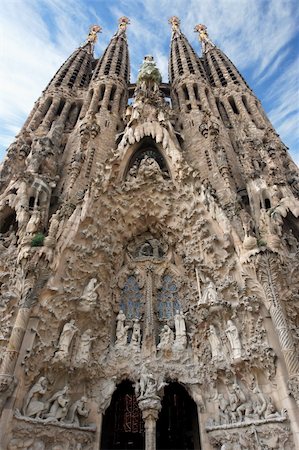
<point x="123" y="427"/>
<point x="146" y="147"/>
<point x="177" y="425"/>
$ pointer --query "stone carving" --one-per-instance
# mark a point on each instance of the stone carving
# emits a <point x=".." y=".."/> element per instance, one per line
<point x="106" y="389"/>
<point x="210" y="294"/>
<point x="166" y="338"/>
<point x="34" y="405"/>
<point x="65" y="340"/>
<point x="217" y="354"/>
<point x="121" y="330"/>
<point x="59" y="405"/>
<point x="89" y="296"/>
<point x="83" y="350"/>
<point x="180" y="342"/>
<point x="7" y="387"/>
<point x="232" y="334"/>
<point x="136" y="335"/>
<point x="77" y="411"/>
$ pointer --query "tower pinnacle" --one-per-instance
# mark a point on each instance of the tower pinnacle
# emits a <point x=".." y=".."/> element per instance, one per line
<point x="93" y="36"/>
<point x="123" y="22"/>
<point x="175" y="25"/>
<point x="206" y="42"/>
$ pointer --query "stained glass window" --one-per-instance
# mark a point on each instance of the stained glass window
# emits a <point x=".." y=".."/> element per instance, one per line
<point x="168" y="298"/>
<point x="130" y="298"/>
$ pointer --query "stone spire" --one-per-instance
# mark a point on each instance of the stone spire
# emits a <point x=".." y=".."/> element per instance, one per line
<point x="183" y="60"/>
<point x="115" y="61"/>
<point x="206" y="42"/>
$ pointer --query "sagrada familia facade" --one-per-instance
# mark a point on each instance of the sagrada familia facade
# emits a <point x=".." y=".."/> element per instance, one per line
<point x="149" y="260"/>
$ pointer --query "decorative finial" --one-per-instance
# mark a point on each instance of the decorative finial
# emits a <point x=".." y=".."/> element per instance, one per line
<point x="175" y="25"/>
<point x="123" y="22"/>
<point x="93" y="35"/>
<point x="206" y="43"/>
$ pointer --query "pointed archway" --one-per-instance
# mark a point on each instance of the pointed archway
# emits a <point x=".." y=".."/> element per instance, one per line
<point x="177" y="425"/>
<point x="123" y="427"/>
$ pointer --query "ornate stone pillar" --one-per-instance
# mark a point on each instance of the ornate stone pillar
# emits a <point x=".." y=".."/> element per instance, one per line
<point x="150" y="408"/>
<point x="49" y="117"/>
<point x="149" y="343"/>
<point x="268" y="275"/>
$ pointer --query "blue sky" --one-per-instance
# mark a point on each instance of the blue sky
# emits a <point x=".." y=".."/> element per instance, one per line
<point x="261" y="37"/>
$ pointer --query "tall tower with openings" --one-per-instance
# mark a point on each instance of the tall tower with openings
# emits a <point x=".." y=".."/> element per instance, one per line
<point x="149" y="267"/>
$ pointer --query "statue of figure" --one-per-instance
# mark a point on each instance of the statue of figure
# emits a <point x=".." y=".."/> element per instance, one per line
<point x="82" y="355"/>
<point x="59" y="405"/>
<point x="65" y="340"/>
<point x="223" y="404"/>
<point x="149" y="168"/>
<point x="204" y="37"/>
<point x="34" y="406"/>
<point x="180" y="331"/>
<point x="136" y="335"/>
<point x="78" y="410"/>
<point x="210" y="294"/>
<point x="166" y="338"/>
<point x="89" y="296"/>
<point x="149" y="76"/>
<point x="121" y="330"/>
<point x="147" y="385"/>
<point x="234" y="340"/>
<point x="215" y="344"/>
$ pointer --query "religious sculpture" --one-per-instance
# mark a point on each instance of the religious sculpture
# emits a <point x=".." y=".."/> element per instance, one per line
<point x="77" y="411"/>
<point x="59" y="405"/>
<point x="121" y="330"/>
<point x="215" y="344"/>
<point x="34" y="406"/>
<point x="83" y="351"/>
<point x="180" y="342"/>
<point x="232" y="334"/>
<point x="65" y="340"/>
<point x="136" y="335"/>
<point x="89" y="296"/>
<point x="210" y="294"/>
<point x="166" y="338"/>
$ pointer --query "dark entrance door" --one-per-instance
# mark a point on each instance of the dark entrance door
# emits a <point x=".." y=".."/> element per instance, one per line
<point x="177" y="425"/>
<point x="122" y="424"/>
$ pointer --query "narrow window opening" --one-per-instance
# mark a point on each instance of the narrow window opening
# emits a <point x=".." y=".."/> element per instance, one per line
<point x="233" y="105"/>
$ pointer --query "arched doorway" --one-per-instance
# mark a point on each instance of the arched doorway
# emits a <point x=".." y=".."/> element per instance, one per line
<point x="177" y="425"/>
<point x="123" y="427"/>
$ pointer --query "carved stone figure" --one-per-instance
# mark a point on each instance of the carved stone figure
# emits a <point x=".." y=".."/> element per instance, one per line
<point x="34" y="405"/>
<point x="217" y="354"/>
<point x="59" y="405"/>
<point x="232" y="334"/>
<point x="166" y="338"/>
<point x="65" y="340"/>
<point x="121" y="330"/>
<point x="210" y="294"/>
<point x="180" y="331"/>
<point x="136" y="335"/>
<point x="77" y="411"/>
<point x="83" y="351"/>
<point x="89" y="296"/>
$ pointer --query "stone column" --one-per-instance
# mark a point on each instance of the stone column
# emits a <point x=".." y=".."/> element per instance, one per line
<point x="149" y="342"/>
<point x="98" y="436"/>
<point x="268" y="274"/>
<point x="150" y="408"/>
<point x="49" y="117"/>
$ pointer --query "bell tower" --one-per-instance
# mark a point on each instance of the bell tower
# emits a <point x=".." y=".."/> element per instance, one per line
<point x="149" y="260"/>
